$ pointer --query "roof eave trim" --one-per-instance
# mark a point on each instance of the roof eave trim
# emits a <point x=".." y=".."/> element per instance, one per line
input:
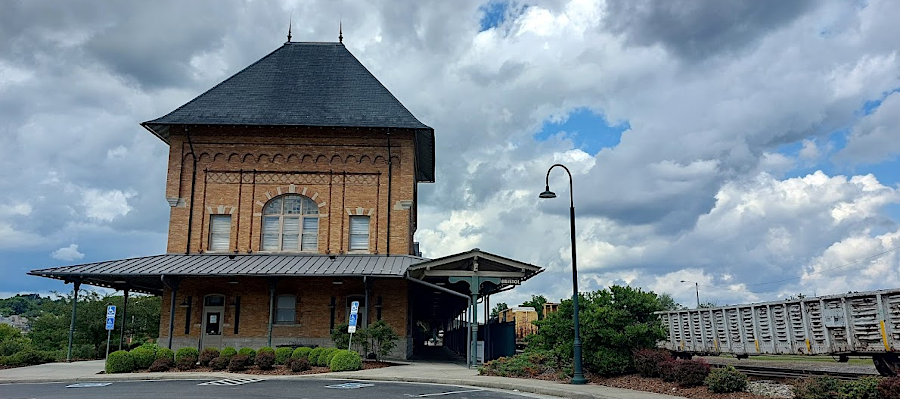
<point x="146" y="125"/>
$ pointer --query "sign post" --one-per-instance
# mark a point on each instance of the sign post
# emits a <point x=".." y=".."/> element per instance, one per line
<point x="110" y="324"/>
<point x="354" y="311"/>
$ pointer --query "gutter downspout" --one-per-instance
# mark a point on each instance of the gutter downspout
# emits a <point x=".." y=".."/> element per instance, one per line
<point x="451" y="292"/>
<point x="193" y="189"/>
<point x="273" y="282"/>
<point x="390" y="180"/>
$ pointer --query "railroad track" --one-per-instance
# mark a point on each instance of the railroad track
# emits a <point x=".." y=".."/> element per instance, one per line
<point x="777" y="373"/>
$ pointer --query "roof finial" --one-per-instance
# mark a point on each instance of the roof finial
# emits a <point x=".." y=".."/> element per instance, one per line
<point x="340" y="31"/>
<point x="290" y="23"/>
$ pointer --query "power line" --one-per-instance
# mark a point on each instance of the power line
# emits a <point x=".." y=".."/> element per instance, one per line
<point x="829" y="269"/>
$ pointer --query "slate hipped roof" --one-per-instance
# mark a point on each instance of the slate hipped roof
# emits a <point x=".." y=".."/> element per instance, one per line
<point x="303" y="84"/>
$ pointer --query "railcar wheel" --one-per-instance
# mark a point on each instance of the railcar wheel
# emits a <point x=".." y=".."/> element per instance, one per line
<point x="887" y="364"/>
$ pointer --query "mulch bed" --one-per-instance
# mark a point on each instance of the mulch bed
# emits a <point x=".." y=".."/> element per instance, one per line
<point x="656" y="385"/>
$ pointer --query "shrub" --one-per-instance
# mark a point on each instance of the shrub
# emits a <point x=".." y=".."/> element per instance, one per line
<point x="143" y="357"/>
<point x="161" y="364"/>
<point x="889" y="388"/>
<point x="266" y="349"/>
<point x="282" y="355"/>
<point x="29" y="357"/>
<point x="382" y="338"/>
<point x="725" y="380"/>
<point x="314" y="356"/>
<point x="250" y="353"/>
<point x="238" y="363"/>
<point x="165" y="353"/>
<point x="219" y="363"/>
<point x="186" y="353"/>
<point x="344" y="360"/>
<point x="301" y="353"/>
<point x="326" y="356"/>
<point x="227" y="352"/>
<point x="207" y="355"/>
<point x="817" y="388"/>
<point x="647" y="361"/>
<point x="11" y="346"/>
<point x="530" y="364"/>
<point x="863" y="388"/>
<point x="691" y="373"/>
<point x="668" y="370"/>
<point x="265" y="360"/>
<point x="119" y="362"/>
<point x="299" y="364"/>
<point x="614" y="321"/>
<point x="186" y="363"/>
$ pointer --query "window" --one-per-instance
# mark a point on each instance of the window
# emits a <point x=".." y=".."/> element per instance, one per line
<point x="285" y="309"/>
<point x="219" y="232"/>
<point x="290" y="223"/>
<point x="359" y="233"/>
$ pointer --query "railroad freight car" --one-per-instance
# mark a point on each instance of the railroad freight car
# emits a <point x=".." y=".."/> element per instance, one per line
<point x="853" y="324"/>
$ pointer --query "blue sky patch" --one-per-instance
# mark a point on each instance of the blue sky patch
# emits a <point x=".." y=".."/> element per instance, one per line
<point x="589" y="131"/>
<point x="493" y="14"/>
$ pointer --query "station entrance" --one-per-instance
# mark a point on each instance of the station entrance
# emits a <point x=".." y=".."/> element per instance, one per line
<point x="449" y="295"/>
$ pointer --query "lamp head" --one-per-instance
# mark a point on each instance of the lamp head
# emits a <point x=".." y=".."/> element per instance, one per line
<point x="547" y="193"/>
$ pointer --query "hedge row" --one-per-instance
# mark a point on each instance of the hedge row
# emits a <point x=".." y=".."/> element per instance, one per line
<point x="154" y="358"/>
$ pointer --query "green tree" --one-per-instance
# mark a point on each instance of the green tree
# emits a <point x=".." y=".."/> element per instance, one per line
<point x="495" y="312"/>
<point x="49" y="330"/>
<point x="666" y="302"/>
<point x="537" y="302"/>
<point x="614" y="322"/>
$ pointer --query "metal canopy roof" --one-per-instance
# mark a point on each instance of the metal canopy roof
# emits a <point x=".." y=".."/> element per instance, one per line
<point x="144" y="274"/>
<point x="475" y="262"/>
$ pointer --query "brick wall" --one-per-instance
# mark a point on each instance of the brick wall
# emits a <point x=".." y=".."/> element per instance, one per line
<point x="239" y="169"/>
<point x="313" y="313"/>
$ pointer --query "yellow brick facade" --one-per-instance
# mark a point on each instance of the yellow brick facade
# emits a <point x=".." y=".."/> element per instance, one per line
<point x="345" y="171"/>
<point x="238" y="170"/>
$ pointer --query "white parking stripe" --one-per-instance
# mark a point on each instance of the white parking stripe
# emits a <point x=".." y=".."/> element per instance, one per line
<point x="231" y="381"/>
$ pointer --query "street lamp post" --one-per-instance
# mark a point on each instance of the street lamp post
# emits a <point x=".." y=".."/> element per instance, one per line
<point x="578" y="378"/>
<point x="697" y="289"/>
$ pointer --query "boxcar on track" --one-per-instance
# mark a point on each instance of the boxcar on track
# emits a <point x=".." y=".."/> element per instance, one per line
<point x="852" y="324"/>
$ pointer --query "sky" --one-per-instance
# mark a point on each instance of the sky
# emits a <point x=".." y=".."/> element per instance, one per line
<point x="750" y="147"/>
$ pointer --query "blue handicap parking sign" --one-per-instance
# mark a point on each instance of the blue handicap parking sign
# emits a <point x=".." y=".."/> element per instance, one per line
<point x="110" y="323"/>
<point x="353" y="317"/>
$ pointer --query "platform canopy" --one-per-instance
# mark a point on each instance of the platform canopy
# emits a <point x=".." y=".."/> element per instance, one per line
<point x="145" y="274"/>
<point x="495" y="272"/>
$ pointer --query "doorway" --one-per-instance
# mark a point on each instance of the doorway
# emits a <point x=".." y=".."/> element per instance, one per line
<point x="213" y="313"/>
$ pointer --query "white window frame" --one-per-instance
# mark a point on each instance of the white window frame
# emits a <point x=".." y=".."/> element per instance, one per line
<point x="292" y="309"/>
<point x="309" y="210"/>
<point x="351" y="235"/>
<point x="212" y="235"/>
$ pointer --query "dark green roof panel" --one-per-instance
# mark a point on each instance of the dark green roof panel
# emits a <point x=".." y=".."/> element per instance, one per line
<point x="303" y="84"/>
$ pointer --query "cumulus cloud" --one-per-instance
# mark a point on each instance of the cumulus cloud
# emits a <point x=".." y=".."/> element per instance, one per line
<point x="105" y="206"/>
<point x="698" y="189"/>
<point x="875" y="138"/>
<point x="69" y="253"/>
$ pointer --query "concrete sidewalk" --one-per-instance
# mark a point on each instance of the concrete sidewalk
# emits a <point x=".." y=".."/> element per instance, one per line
<point x="420" y="371"/>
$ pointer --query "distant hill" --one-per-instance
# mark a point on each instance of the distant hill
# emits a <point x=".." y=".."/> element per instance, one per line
<point x="28" y="305"/>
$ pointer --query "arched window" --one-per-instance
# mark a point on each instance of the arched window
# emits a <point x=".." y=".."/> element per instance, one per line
<point x="290" y="224"/>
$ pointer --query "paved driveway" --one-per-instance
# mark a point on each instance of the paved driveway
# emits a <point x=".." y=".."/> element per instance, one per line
<point x="252" y="388"/>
